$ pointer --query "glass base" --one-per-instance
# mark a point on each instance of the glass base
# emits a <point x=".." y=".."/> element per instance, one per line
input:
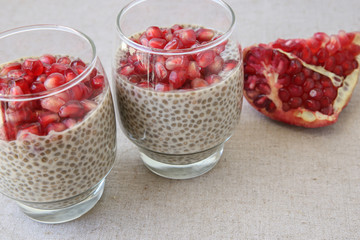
<point x="65" y="214"/>
<point x="199" y="163"/>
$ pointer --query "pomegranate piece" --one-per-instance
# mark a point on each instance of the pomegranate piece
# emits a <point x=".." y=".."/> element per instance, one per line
<point x="33" y="67"/>
<point x="187" y="37"/>
<point x="205" y="58"/>
<point x="72" y="109"/>
<point x="52" y="103"/>
<point x="31" y="128"/>
<point x="46" y="118"/>
<point x="56" y="68"/>
<point x="54" y="80"/>
<point x="304" y="82"/>
<point x="153" y="32"/>
<point x="176" y="62"/>
<point x="47" y="59"/>
<point x="199" y="83"/>
<point x="204" y="34"/>
<point x="9" y="67"/>
<point x="162" y="87"/>
<point x="57" y="127"/>
<point x="88" y="105"/>
<point x="98" y="82"/>
<point x="177" y="78"/>
<point x="64" y="60"/>
<point x="157" y="43"/>
<point x="69" y="122"/>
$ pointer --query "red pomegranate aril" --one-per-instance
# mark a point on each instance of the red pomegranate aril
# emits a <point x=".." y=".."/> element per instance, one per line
<point x="176" y="27"/>
<point x="249" y="70"/>
<point x="316" y="93"/>
<point x="37" y="87"/>
<point x="283" y="80"/>
<point x="64" y="60"/>
<point x="193" y="70"/>
<point x="144" y="41"/>
<point x="157" y="43"/>
<point x="295" y="102"/>
<point x="9" y="67"/>
<point x="47" y="59"/>
<point x="306" y="54"/>
<point x="316" y="76"/>
<point x="284" y="95"/>
<point x="204" y="34"/>
<point x="134" y="79"/>
<point x="69" y="122"/>
<point x="325" y="102"/>
<point x="16" y="91"/>
<point x="70" y="74"/>
<point x="169" y="37"/>
<point x="48" y="117"/>
<point x="77" y="62"/>
<point x="322" y="55"/>
<point x="88" y="105"/>
<point x="307" y="72"/>
<point x="41" y="78"/>
<point x="338" y="70"/>
<point x="263" y="88"/>
<point x="295" y="90"/>
<point x="261" y="101"/>
<point x="162" y="87"/>
<point x="216" y="66"/>
<point x="330" y="92"/>
<point x="127" y="69"/>
<point x="153" y="32"/>
<point x="198" y="83"/>
<point x="312" y="105"/>
<point x="333" y="45"/>
<point x="308" y="84"/>
<point x="205" y="58"/>
<point x="177" y="78"/>
<point x="72" y="109"/>
<point x="339" y="58"/>
<point x="294" y="67"/>
<point x="57" y="127"/>
<point x="330" y="64"/>
<point x="33" y="66"/>
<point x="213" y="79"/>
<point x="15" y="116"/>
<point x="16" y="73"/>
<point x="160" y="71"/>
<point x="145" y="84"/>
<point x="77" y="92"/>
<point x="29" y="128"/>
<point x="56" y="68"/>
<point x="65" y="95"/>
<point x="187" y="37"/>
<point x="176" y="62"/>
<point x="230" y="65"/>
<point x="141" y="67"/>
<point x="299" y="78"/>
<point x="281" y="63"/>
<point x="327" y="110"/>
<point x="54" y="80"/>
<point x="52" y="103"/>
<point x="98" y="82"/>
<point x="172" y="44"/>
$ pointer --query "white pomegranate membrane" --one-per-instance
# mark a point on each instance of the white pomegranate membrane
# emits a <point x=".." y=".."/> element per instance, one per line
<point x="179" y="104"/>
<point x="63" y="144"/>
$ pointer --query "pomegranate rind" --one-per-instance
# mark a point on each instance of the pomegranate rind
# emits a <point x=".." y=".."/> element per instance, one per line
<point x="301" y="116"/>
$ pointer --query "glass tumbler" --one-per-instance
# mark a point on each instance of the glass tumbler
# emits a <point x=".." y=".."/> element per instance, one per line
<point x="57" y="122"/>
<point x="178" y="73"/>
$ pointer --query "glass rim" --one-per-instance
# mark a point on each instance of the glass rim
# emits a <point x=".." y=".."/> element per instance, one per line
<point x="173" y="52"/>
<point x="65" y="86"/>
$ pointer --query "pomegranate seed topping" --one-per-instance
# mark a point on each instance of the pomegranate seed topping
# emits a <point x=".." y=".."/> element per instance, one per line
<point x="56" y="68"/>
<point x="338" y="70"/>
<point x="77" y="62"/>
<point x="88" y="105"/>
<point x="37" y="87"/>
<point x="22" y="84"/>
<point x="69" y="122"/>
<point x="134" y="79"/>
<point x="199" y="83"/>
<point x="72" y="108"/>
<point x="173" y="44"/>
<point x="322" y="55"/>
<point x="322" y="37"/>
<point x="57" y="127"/>
<point x="64" y="95"/>
<point x="153" y="32"/>
<point x="160" y="71"/>
<point x="46" y="118"/>
<point x="295" y="102"/>
<point x="29" y="128"/>
<point x="16" y="73"/>
<point x="169" y="37"/>
<point x="14" y="91"/>
<point x="19" y="116"/>
<point x="263" y="88"/>
<point x="175" y="28"/>
<point x="64" y="60"/>
<point x="213" y="79"/>
<point x="54" y="80"/>
<point x="145" y="85"/>
<point x="314" y="44"/>
<point x="217" y="65"/>
<point x="308" y="85"/>
<point x="70" y="74"/>
<point x="127" y="69"/>
<point x="41" y="78"/>
<point x="77" y="92"/>
<point x="52" y="103"/>
<point x="157" y="43"/>
<point x="9" y="67"/>
<point x="205" y="58"/>
<point x="193" y="70"/>
<point x="327" y="110"/>
<point x="177" y="78"/>
<point x="33" y="67"/>
<point x="261" y="101"/>
<point x="162" y="87"/>
<point x="284" y="95"/>
<point x="47" y="59"/>
<point x="144" y="41"/>
<point x="187" y="37"/>
<point x="330" y="63"/>
<point x="141" y="67"/>
<point x="281" y="64"/>
<point x="98" y="82"/>
<point x="176" y="62"/>
<point x="229" y="65"/>
<point x="204" y="34"/>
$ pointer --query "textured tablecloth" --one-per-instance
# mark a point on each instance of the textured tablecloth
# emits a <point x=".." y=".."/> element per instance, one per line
<point x="273" y="182"/>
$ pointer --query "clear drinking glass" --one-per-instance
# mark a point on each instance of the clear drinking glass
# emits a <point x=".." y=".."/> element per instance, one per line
<point x="56" y="145"/>
<point x="180" y="131"/>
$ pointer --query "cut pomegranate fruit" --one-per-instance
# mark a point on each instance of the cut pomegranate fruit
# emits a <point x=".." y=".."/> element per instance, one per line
<point x="303" y="82"/>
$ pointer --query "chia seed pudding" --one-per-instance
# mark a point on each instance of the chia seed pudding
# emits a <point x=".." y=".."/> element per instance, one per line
<point x="181" y="121"/>
<point x="64" y="163"/>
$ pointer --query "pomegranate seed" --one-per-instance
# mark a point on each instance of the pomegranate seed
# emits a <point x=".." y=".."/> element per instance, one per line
<point x="175" y="27"/>
<point x="64" y="60"/>
<point x="327" y="110"/>
<point x="295" y="102"/>
<point x="281" y="64"/>
<point x="295" y="90"/>
<point x="54" y="80"/>
<point x="339" y="58"/>
<point x="312" y="105"/>
<point x="252" y="94"/>
<point x="263" y="88"/>
<point x="330" y="63"/>
<point x="285" y="107"/>
<point x="193" y="70"/>
<point x="57" y="127"/>
<point x="47" y="59"/>
<point x="73" y="109"/>
<point x="306" y="54"/>
<point x="29" y="128"/>
<point x="322" y="37"/>
<point x="77" y="92"/>
<point x="79" y="69"/>
<point x="176" y="62"/>
<point x="161" y="59"/>
<point x="127" y="69"/>
<point x="284" y="80"/>
<point x="251" y="82"/>
<point x="249" y="70"/>
<point x="169" y="37"/>
<point x="14" y="74"/>
<point x="33" y="67"/>
<point x="52" y="103"/>
<point x="77" y="62"/>
<point x="19" y="116"/>
<point x="56" y="68"/>
<point x="70" y="74"/>
<point x="162" y="87"/>
<point x="213" y="79"/>
<point x="160" y="71"/>
<point x="199" y="83"/>
<point x="9" y="67"/>
<point x="333" y="45"/>
<point x="307" y="72"/>
<point x="134" y="79"/>
<point x="88" y="105"/>
<point x="153" y="32"/>
<point x="271" y="107"/>
<point x="338" y="70"/>
<point x="294" y="67"/>
<point x="325" y="101"/>
<point x="37" y="87"/>
<point x="157" y="43"/>
<point x="330" y="93"/>
<point x="326" y="82"/>
<point x="144" y="41"/>
<point x="15" y="91"/>
<point x="322" y="55"/>
<point x="316" y="76"/>
<point x="217" y="65"/>
<point x="187" y="37"/>
<point x="22" y="84"/>
<point x="177" y="78"/>
<point x="141" y="67"/>
<point x="261" y="101"/>
<point x="314" y="44"/>
<point x="205" y="58"/>
<point x="344" y="39"/>
<point x="98" y="82"/>
<point x="46" y="118"/>
<point x="69" y="122"/>
<point x="173" y="44"/>
<point x="308" y="85"/>
<point x="7" y="132"/>
<point x="230" y="64"/>
<point x="284" y="95"/>
<point x="316" y="93"/>
<point x="299" y="78"/>
<point x="145" y="85"/>
<point x="204" y="34"/>
<point x="41" y="78"/>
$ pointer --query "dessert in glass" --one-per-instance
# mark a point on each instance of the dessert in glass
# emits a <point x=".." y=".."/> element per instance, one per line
<point x="178" y="76"/>
<point x="57" y="122"/>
